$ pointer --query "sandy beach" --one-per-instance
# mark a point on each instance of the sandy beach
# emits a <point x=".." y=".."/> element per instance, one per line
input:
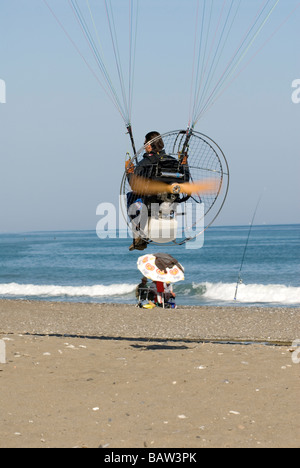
<point x="114" y="376"/>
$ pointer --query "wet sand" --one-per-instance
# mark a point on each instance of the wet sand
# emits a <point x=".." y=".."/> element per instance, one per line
<point x="91" y="375"/>
<point x="273" y="325"/>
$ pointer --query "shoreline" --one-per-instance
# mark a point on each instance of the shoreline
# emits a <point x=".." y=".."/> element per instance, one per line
<point x="277" y="325"/>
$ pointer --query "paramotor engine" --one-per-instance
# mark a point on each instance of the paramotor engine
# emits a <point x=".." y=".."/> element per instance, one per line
<point x="179" y="211"/>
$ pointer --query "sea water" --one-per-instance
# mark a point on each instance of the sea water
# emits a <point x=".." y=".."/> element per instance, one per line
<point x="80" y="267"/>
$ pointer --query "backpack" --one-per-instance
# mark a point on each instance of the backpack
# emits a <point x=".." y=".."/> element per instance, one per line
<point x="169" y="170"/>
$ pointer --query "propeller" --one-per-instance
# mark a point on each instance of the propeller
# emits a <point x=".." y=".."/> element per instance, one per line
<point x="141" y="185"/>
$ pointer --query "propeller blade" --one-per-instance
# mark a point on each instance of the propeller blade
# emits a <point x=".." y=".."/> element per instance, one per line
<point x="205" y="186"/>
<point x="143" y="186"/>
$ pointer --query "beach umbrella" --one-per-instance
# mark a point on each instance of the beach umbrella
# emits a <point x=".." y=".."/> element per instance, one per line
<point x="161" y="267"/>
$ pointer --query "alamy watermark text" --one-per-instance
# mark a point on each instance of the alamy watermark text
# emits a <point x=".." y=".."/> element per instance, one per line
<point x="178" y="221"/>
<point x="2" y="92"/>
<point x="296" y="93"/>
<point x="296" y="352"/>
<point x="2" y="352"/>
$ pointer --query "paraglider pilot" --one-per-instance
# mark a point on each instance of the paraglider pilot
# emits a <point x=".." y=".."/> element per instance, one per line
<point x="153" y="162"/>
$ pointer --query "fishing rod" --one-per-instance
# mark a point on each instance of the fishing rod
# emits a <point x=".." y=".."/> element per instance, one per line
<point x="239" y="280"/>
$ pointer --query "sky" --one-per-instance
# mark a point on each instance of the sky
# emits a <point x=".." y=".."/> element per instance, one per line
<point x="63" y="143"/>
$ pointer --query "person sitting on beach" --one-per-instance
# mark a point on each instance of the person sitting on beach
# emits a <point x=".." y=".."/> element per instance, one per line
<point x="152" y="291"/>
<point x="142" y="291"/>
<point x="169" y="295"/>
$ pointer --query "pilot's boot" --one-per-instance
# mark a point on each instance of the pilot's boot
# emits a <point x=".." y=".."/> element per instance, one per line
<point x="138" y="244"/>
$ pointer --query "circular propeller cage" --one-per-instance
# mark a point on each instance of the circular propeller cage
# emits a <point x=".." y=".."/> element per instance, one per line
<point x="206" y="161"/>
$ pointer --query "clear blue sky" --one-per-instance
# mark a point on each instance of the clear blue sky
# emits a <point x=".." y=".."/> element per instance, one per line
<point x="63" y="143"/>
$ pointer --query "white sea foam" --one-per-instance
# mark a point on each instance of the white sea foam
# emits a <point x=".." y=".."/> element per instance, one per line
<point x="32" y="290"/>
<point x="217" y="292"/>
<point x="251" y="293"/>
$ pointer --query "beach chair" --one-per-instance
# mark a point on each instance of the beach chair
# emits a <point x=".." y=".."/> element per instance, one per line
<point x="143" y="296"/>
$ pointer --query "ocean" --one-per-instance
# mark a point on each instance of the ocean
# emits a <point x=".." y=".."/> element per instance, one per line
<point x="77" y="266"/>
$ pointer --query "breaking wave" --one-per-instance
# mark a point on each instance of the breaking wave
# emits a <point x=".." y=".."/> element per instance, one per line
<point x="248" y="293"/>
<point x="202" y="293"/>
<point x="32" y="290"/>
